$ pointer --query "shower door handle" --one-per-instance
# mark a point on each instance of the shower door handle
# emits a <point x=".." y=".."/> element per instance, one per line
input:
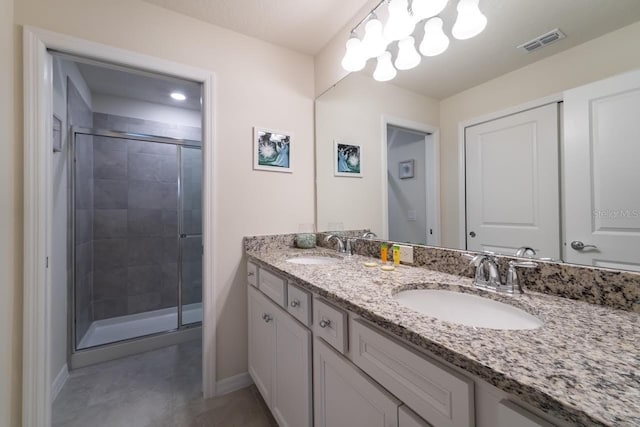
<point x="183" y="236"/>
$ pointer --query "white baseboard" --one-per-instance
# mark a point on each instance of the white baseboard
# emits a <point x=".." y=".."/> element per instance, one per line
<point x="59" y="382"/>
<point x="233" y="383"/>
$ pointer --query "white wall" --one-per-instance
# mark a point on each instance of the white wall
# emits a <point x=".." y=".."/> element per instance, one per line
<point x="602" y="57"/>
<point x="134" y="108"/>
<point x="257" y="83"/>
<point x="353" y="112"/>
<point x="409" y="194"/>
<point x="10" y="221"/>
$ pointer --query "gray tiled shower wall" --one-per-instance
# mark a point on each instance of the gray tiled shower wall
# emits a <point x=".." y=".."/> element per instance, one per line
<point x="135" y="202"/>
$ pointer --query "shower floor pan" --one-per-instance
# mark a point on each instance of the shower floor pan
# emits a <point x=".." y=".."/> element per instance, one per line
<point x="138" y="325"/>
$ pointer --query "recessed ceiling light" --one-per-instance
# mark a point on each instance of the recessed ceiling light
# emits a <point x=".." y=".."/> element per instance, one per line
<point x="178" y="96"/>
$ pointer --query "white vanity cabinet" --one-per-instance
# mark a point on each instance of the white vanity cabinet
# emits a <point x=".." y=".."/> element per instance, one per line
<point x="262" y="350"/>
<point x="344" y="396"/>
<point x="317" y="364"/>
<point x="280" y="361"/>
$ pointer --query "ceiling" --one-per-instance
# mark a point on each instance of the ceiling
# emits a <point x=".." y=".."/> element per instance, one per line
<point x="302" y="25"/>
<point x="139" y="85"/>
<point x="308" y="25"/>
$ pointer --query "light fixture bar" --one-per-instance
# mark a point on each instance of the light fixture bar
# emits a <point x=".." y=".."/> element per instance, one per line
<point x="372" y="12"/>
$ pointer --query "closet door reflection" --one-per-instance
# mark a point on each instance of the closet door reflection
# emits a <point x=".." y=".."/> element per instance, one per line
<point x="190" y="262"/>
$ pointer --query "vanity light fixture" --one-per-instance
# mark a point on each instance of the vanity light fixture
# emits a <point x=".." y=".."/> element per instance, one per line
<point x="384" y="70"/>
<point x="354" y="59"/>
<point x="373" y="43"/>
<point x="470" y="21"/>
<point x="435" y="40"/>
<point x="423" y="9"/>
<point x="178" y="96"/>
<point x="399" y="27"/>
<point x="408" y="57"/>
<point x="400" y="24"/>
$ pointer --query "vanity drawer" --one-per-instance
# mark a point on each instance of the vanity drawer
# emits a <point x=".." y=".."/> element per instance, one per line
<point x="273" y="286"/>
<point x="252" y="274"/>
<point x="299" y="304"/>
<point x="440" y="396"/>
<point x="330" y="324"/>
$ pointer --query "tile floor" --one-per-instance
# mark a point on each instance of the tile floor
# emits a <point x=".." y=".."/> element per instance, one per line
<point x="161" y="388"/>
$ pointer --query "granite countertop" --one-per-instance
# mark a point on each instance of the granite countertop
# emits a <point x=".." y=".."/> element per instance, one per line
<point x="582" y="366"/>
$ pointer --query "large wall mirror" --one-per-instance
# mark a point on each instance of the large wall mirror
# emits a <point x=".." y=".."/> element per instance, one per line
<point x="488" y="147"/>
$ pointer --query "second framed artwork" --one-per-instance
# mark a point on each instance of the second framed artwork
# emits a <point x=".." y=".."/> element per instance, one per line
<point x="347" y="159"/>
<point x="272" y="150"/>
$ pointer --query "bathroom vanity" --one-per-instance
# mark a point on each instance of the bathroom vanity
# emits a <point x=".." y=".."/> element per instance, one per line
<point x="329" y="345"/>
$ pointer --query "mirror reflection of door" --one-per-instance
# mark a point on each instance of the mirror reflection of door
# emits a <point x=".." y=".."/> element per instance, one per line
<point x="512" y="183"/>
<point x="411" y="186"/>
<point x="601" y="173"/>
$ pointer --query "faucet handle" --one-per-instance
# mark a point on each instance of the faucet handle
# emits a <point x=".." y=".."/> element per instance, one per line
<point x="349" y="246"/>
<point x="513" y="280"/>
<point x="523" y="264"/>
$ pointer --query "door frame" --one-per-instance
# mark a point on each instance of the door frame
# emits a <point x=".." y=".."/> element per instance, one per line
<point x="434" y="132"/>
<point x="38" y="110"/>
<point x="462" y="128"/>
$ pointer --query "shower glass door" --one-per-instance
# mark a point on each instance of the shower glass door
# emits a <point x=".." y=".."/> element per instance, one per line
<point x="190" y="218"/>
<point x="137" y="236"/>
<point x="126" y="207"/>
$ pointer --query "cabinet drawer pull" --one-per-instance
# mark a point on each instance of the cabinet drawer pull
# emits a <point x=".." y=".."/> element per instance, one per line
<point x="294" y="303"/>
<point x="251" y="273"/>
<point x="267" y="318"/>
<point x="325" y="323"/>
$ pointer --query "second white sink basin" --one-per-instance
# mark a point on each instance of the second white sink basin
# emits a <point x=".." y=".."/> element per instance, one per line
<point x="467" y="309"/>
<point x="313" y="260"/>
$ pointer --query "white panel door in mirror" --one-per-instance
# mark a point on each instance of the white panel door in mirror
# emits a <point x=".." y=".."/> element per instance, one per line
<point x="512" y="183"/>
<point x="602" y="150"/>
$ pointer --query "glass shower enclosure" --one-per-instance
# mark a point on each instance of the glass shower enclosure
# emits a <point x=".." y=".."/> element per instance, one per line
<point x="136" y="216"/>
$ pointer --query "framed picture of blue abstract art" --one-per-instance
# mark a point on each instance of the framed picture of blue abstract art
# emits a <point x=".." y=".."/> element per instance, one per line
<point x="347" y="159"/>
<point x="272" y="150"/>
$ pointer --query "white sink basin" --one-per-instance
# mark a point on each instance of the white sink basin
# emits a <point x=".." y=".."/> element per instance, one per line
<point x="313" y="260"/>
<point x="467" y="309"/>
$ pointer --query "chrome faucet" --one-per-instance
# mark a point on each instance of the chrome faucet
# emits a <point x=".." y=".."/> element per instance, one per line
<point x="344" y="245"/>
<point x="369" y="235"/>
<point x="341" y="244"/>
<point x="488" y="275"/>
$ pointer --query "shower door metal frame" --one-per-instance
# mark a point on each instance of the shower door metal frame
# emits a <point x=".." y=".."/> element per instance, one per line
<point x="187" y="143"/>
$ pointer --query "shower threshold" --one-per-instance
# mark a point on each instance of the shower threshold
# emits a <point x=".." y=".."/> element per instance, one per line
<point x="138" y="325"/>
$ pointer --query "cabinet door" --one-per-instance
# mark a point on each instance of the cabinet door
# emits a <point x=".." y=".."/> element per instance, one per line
<point x="291" y="399"/>
<point x="510" y="414"/>
<point x="408" y="418"/>
<point x="345" y="396"/>
<point x="262" y="334"/>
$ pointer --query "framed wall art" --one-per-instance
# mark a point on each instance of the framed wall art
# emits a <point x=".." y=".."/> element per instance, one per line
<point x="347" y="159"/>
<point x="272" y="150"/>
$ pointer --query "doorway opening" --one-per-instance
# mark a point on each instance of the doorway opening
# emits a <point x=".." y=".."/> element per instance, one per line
<point x="412" y="182"/>
<point x="127" y="210"/>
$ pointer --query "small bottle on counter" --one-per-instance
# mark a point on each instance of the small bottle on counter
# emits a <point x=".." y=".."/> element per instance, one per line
<point x="384" y="253"/>
<point x="396" y="255"/>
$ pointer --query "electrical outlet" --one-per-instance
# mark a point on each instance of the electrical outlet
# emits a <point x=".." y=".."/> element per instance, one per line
<point x="406" y="254"/>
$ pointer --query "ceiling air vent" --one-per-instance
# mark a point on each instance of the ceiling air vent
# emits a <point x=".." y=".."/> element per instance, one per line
<point x="542" y="40"/>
